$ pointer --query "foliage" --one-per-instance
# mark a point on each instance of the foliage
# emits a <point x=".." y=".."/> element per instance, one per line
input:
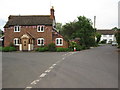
<point x="81" y="28"/>
<point x="98" y="36"/>
<point x="59" y="27"/>
<point x="42" y="49"/>
<point x="103" y="42"/>
<point x="8" y="49"/>
<point x="118" y="37"/>
<point x="60" y="49"/>
<point x="77" y="46"/>
<point x="1" y="48"/>
<point x="52" y="47"/>
<point x="1" y="33"/>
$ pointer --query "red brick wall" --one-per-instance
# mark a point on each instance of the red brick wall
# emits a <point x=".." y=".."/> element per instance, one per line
<point x="10" y="34"/>
<point x="65" y="43"/>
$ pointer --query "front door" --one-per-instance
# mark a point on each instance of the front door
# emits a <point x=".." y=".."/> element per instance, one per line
<point x="25" y="44"/>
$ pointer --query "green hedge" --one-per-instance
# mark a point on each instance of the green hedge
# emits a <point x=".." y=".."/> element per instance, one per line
<point x="8" y="49"/>
<point x="52" y="47"/>
<point x="60" y="49"/>
<point x="42" y="49"/>
<point x="0" y="48"/>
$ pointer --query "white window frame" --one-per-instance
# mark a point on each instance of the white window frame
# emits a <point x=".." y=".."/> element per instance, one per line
<point x="104" y="35"/>
<point x="40" y="41"/>
<point x="40" y="28"/>
<point x="17" y="41"/>
<point x="18" y="28"/>
<point x="59" y="44"/>
<point x="110" y="35"/>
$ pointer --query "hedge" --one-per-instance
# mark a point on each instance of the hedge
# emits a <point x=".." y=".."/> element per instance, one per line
<point x="8" y="49"/>
<point x="60" y="49"/>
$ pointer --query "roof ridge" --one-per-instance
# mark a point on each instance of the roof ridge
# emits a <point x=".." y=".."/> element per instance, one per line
<point x="27" y="15"/>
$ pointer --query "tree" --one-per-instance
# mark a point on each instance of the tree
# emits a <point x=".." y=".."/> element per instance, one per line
<point x="59" y="27"/>
<point x="81" y="28"/>
<point x="98" y="36"/>
<point x="1" y="33"/>
<point x="118" y="37"/>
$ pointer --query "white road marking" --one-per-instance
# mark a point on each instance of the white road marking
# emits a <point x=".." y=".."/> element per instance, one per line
<point x="47" y="71"/>
<point x="42" y="75"/>
<point x="54" y="65"/>
<point x="34" y="82"/>
<point x="28" y="87"/>
<point x="51" y="67"/>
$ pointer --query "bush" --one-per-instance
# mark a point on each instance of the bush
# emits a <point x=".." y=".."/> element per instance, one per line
<point x="103" y="42"/>
<point x="60" y="49"/>
<point x="1" y="48"/>
<point x="42" y="49"/>
<point x="8" y="49"/>
<point x="52" y="47"/>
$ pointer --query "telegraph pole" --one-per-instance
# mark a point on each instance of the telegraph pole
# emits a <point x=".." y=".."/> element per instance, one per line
<point x="94" y="22"/>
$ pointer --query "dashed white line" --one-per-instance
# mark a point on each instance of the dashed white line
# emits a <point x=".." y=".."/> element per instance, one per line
<point x="34" y="82"/>
<point x="48" y="70"/>
<point x="28" y="87"/>
<point x="51" y="67"/>
<point x="42" y="75"/>
<point x="54" y="65"/>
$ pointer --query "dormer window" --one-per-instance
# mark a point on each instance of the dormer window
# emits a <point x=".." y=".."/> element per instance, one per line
<point x="16" y="28"/>
<point x="40" y="28"/>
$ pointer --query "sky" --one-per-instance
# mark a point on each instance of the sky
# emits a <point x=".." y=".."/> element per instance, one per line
<point x="106" y="11"/>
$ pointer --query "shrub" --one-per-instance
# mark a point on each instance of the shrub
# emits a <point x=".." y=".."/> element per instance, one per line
<point x="42" y="49"/>
<point x="8" y="49"/>
<point x="83" y="47"/>
<point x="78" y="47"/>
<point x="52" y="47"/>
<point x="60" y="49"/>
<point x="103" y="42"/>
<point x="1" y="48"/>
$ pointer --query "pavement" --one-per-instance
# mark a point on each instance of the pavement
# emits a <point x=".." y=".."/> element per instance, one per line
<point x="93" y="68"/>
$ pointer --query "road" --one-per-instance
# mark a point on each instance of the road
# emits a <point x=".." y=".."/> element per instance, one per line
<point x="93" y="68"/>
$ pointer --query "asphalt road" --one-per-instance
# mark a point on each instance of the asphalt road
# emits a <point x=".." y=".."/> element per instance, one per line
<point x="93" y="68"/>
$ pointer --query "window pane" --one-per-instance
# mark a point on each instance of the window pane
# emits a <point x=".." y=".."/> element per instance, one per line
<point x="15" y="28"/>
<point x="15" y="42"/>
<point x="42" y="42"/>
<point x="18" y="42"/>
<point x="42" y="28"/>
<point x="57" y="41"/>
<point x="38" y="41"/>
<point x="18" y="28"/>
<point x="38" y="28"/>
<point x="60" y="41"/>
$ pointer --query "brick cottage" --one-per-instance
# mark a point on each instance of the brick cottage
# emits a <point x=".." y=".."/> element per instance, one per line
<point x="32" y="31"/>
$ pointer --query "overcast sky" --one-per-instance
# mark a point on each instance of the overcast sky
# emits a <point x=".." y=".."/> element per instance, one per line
<point x="106" y="11"/>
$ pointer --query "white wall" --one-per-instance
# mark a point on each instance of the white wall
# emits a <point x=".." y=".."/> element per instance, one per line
<point x="108" y="38"/>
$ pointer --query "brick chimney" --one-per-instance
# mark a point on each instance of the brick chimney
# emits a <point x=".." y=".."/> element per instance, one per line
<point x="52" y="16"/>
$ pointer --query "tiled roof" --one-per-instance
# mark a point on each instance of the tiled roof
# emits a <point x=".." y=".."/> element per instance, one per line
<point x="29" y="20"/>
<point x="105" y="31"/>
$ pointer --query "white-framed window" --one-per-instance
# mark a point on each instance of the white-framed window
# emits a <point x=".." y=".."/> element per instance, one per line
<point x="40" y="41"/>
<point x="16" y="41"/>
<point x="104" y="35"/>
<point x="59" y="42"/>
<point x="110" y="35"/>
<point x="40" y="28"/>
<point x="17" y="28"/>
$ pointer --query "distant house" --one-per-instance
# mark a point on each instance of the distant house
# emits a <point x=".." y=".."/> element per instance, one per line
<point x="32" y="31"/>
<point x="107" y="34"/>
